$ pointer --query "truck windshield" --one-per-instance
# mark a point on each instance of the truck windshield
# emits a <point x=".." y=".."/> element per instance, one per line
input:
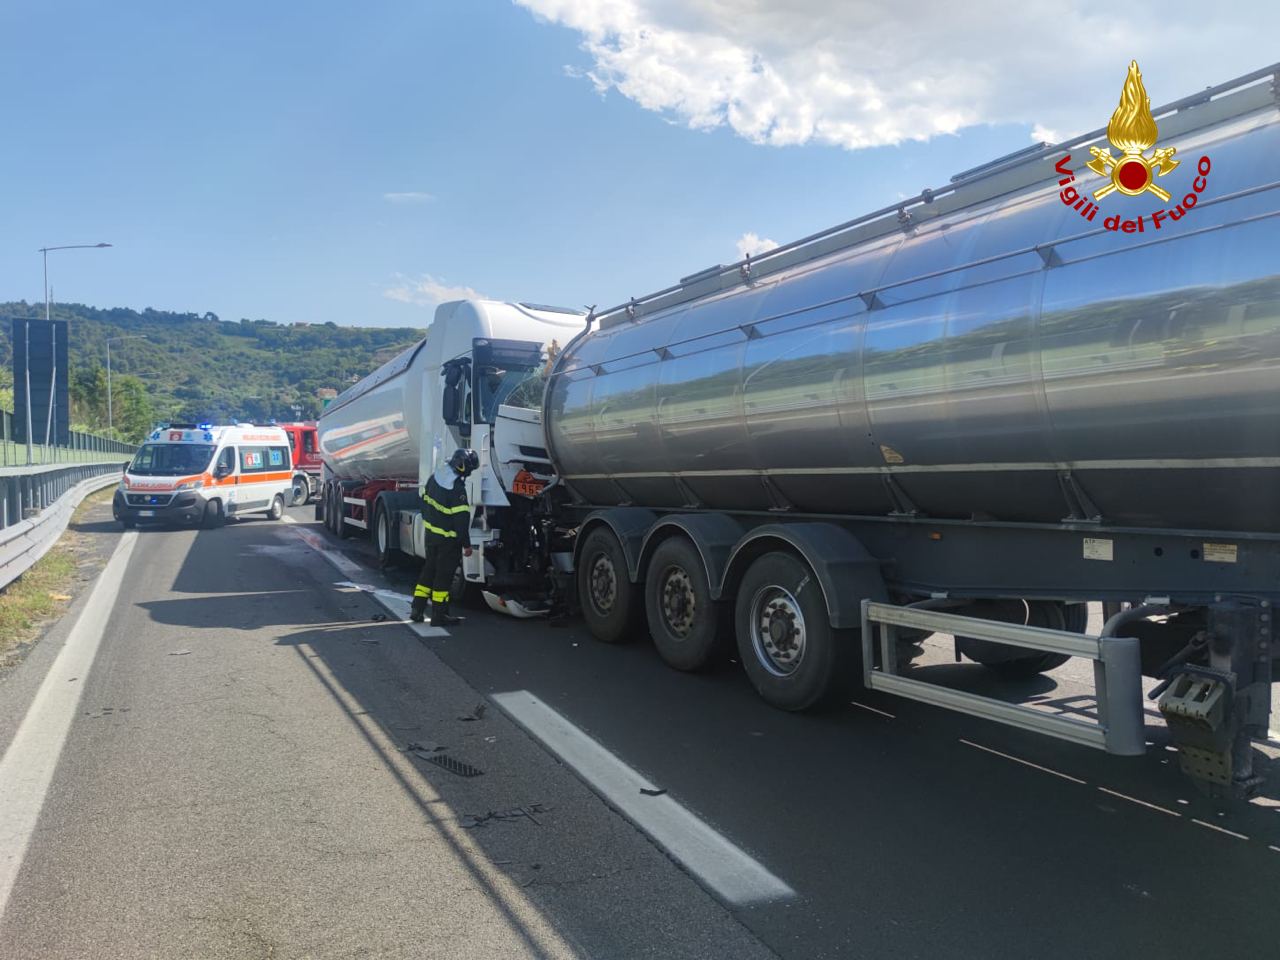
<point x="519" y="387"/>
<point x="171" y="459"/>
<point x="507" y="371"/>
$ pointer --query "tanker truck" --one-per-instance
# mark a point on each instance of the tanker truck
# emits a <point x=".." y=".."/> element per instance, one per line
<point x="970" y="413"/>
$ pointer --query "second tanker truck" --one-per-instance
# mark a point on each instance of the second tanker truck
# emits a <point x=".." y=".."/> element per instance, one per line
<point x="970" y="413"/>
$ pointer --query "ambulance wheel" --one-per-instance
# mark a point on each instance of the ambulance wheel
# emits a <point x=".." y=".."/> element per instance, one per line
<point x="213" y="516"/>
<point x="301" y="489"/>
<point x="611" y="604"/>
<point x="277" y="508"/>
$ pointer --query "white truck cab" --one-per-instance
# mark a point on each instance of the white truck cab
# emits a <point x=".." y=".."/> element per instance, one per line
<point x="202" y="474"/>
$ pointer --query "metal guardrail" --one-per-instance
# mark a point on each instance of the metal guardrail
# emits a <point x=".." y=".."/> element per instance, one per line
<point x="82" y="447"/>
<point x="1116" y="671"/>
<point x="36" y="503"/>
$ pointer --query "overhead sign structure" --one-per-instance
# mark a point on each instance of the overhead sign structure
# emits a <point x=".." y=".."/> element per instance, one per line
<point x="40" y="359"/>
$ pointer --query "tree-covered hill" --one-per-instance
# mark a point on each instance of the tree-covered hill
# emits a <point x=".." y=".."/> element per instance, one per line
<point x="200" y="367"/>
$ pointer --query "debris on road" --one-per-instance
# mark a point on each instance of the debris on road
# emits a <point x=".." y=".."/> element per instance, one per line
<point x="423" y="748"/>
<point x="178" y="653"/>
<point x="469" y="821"/>
<point x="477" y="714"/>
<point x="378" y="618"/>
<point x="653" y="793"/>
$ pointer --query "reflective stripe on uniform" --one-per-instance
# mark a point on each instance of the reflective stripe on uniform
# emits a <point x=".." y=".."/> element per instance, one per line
<point x="431" y="502"/>
<point x="432" y="528"/>
<point x="439" y="596"/>
<point x="420" y="591"/>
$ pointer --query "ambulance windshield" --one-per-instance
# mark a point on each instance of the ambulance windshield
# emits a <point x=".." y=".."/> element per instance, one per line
<point x="171" y="459"/>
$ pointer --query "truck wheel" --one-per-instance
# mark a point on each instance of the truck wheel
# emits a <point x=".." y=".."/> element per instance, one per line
<point x="277" y="508"/>
<point x="791" y="653"/>
<point x="382" y="537"/>
<point x="1051" y="614"/>
<point x="301" y="489"/>
<point x="213" y="515"/>
<point x="686" y="624"/>
<point x="610" y="601"/>
<point x="340" y="528"/>
<point x="333" y="509"/>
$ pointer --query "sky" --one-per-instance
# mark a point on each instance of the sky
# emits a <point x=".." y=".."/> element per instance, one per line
<point x="360" y="163"/>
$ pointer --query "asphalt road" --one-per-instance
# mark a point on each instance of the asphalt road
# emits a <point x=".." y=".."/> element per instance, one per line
<point x="233" y="786"/>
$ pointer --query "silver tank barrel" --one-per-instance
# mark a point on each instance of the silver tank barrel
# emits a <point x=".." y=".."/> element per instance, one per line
<point x="983" y="358"/>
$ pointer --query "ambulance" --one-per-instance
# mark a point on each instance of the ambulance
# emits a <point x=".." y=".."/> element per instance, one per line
<point x="200" y="474"/>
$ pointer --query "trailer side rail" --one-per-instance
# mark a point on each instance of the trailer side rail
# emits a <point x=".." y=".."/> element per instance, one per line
<point x="1116" y="670"/>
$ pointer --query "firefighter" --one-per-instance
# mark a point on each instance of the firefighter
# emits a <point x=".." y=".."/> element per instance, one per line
<point x="448" y="522"/>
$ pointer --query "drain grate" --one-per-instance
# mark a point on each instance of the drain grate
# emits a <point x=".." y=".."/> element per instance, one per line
<point x="446" y="762"/>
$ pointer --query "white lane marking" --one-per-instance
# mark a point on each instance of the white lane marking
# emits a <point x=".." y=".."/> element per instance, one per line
<point x="883" y="713"/>
<point x="1214" y="826"/>
<point x="716" y="861"/>
<point x="27" y="767"/>
<point x="1141" y="803"/>
<point x="394" y="603"/>
<point x="1025" y="763"/>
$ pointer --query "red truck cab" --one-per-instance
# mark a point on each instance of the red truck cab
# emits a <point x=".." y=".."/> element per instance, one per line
<point x="306" y="459"/>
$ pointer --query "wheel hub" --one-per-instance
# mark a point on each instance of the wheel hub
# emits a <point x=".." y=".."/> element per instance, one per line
<point x="777" y="631"/>
<point x="604" y="585"/>
<point x="679" y="604"/>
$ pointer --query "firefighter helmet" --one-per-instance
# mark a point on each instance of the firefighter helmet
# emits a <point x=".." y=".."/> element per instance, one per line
<point x="464" y="461"/>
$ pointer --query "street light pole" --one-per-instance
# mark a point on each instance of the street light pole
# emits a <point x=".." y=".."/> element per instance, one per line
<point x="111" y="340"/>
<point x="53" y="342"/>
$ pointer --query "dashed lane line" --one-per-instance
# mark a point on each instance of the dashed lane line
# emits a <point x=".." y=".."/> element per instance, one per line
<point x="397" y="604"/>
<point x="717" y="862"/>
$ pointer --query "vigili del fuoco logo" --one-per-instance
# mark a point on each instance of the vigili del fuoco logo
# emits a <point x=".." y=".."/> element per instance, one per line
<point x="1133" y="131"/>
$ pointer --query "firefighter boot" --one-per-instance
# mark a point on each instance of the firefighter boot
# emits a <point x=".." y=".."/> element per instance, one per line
<point x="440" y="616"/>
<point x="418" y="612"/>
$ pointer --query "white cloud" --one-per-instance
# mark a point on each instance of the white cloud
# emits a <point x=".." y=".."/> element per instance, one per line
<point x="1041" y="134"/>
<point x="860" y="74"/>
<point x="749" y="243"/>
<point x="409" y="196"/>
<point x="428" y="291"/>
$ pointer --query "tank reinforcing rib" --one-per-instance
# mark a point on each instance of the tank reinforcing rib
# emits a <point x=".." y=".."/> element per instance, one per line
<point x="988" y="181"/>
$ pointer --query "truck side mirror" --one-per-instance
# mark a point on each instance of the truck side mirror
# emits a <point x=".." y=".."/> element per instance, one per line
<point x="453" y="407"/>
<point x="449" y="402"/>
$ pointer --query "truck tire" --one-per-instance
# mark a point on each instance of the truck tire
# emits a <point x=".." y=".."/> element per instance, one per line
<point x="610" y="601"/>
<point x="382" y="537"/>
<point x="340" y="528"/>
<point x="1051" y="614"/>
<point x="301" y="490"/>
<point x="213" y="515"/>
<point x="687" y="626"/>
<point x="793" y="656"/>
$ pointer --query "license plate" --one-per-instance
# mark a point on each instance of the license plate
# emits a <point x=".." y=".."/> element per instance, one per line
<point x="146" y="513"/>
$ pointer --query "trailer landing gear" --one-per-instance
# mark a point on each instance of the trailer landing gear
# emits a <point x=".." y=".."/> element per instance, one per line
<point x="1215" y="712"/>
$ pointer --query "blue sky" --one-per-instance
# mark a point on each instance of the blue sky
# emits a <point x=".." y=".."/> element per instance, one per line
<point x="315" y="162"/>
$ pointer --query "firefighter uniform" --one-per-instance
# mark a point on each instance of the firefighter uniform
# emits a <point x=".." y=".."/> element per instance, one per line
<point x="447" y="520"/>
